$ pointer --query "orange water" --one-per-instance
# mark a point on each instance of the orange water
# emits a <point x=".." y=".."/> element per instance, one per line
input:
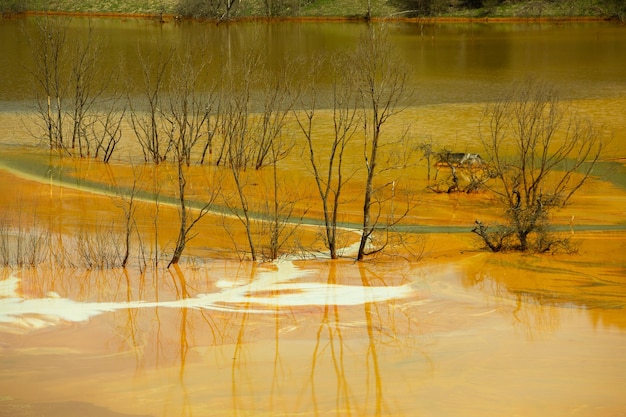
<point x="457" y="332"/>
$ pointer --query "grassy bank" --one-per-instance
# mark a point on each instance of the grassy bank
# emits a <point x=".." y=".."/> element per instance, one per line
<point x="329" y="8"/>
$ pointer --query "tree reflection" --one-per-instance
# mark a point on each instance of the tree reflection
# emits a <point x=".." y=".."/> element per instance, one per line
<point x="371" y="351"/>
<point x="331" y="325"/>
<point x="528" y="303"/>
<point x="536" y="291"/>
<point x="359" y="389"/>
<point x="238" y="359"/>
<point x="182" y="293"/>
<point x="131" y="329"/>
<point x="285" y="355"/>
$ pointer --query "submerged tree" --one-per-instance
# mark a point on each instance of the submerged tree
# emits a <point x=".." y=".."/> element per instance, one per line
<point x="185" y="117"/>
<point x="49" y="71"/>
<point x="382" y="84"/>
<point x="540" y="152"/>
<point x="255" y="139"/>
<point x="76" y="100"/>
<point x="144" y="114"/>
<point x="189" y="214"/>
<point x="327" y="163"/>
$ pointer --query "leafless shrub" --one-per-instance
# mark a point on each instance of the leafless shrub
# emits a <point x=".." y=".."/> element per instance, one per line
<point x="70" y="85"/>
<point x="496" y="237"/>
<point x="99" y="248"/>
<point x="144" y="111"/>
<point x="540" y="153"/>
<point x="5" y="249"/>
<point x="467" y="173"/>
<point x="21" y="244"/>
<point x="381" y="81"/>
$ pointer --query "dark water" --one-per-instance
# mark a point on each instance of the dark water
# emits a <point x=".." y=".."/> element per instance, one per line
<point x="468" y="62"/>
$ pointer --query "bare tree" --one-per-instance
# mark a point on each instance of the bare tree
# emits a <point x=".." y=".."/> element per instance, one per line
<point x="126" y="201"/>
<point x="50" y="74"/>
<point x="241" y="209"/>
<point x="237" y="150"/>
<point x="382" y="86"/>
<point x="189" y="215"/>
<point x="328" y="167"/>
<point x="278" y="217"/>
<point x="144" y="111"/>
<point x="87" y="83"/>
<point x="185" y="117"/>
<point x="76" y="100"/>
<point x="106" y="131"/>
<point x="540" y="152"/>
<point x="255" y="139"/>
<point x="427" y="150"/>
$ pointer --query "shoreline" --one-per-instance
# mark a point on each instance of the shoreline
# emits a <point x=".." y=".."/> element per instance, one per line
<point x="169" y="18"/>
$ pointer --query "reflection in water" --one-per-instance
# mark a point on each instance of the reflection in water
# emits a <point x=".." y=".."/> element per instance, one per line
<point x="330" y="327"/>
<point x="539" y="288"/>
<point x="533" y="312"/>
<point x="281" y="293"/>
<point x="336" y="381"/>
<point x="477" y="59"/>
<point x="439" y="349"/>
<point x="372" y="346"/>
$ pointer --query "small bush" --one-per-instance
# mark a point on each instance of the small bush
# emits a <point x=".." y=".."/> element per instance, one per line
<point x="207" y="9"/>
<point x="8" y="7"/>
<point x="99" y="249"/>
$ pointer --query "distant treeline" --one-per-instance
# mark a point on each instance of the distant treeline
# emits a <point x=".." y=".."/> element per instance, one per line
<point x="364" y="9"/>
<point x="513" y="8"/>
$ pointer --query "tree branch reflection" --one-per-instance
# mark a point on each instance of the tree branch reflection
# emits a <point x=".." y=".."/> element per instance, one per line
<point x="331" y="324"/>
<point x="524" y="295"/>
<point x="295" y="339"/>
<point x="371" y="351"/>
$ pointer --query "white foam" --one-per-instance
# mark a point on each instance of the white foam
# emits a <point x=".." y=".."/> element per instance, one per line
<point x="284" y="284"/>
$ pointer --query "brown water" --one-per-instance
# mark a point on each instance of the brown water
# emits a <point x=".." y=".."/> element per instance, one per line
<point x="450" y="63"/>
<point x="460" y="332"/>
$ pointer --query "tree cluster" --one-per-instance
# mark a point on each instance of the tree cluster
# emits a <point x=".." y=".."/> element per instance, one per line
<point x="79" y="114"/>
<point x="234" y="124"/>
<point x="540" y="152"/>
<point x="536" y="152"/>
<point x="227" y="9"/>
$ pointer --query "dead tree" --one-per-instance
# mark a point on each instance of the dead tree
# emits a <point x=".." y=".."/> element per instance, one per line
<point x="49" y="71"/>
<point x="540" y="152"/>
<point x="382" y="83"/>
<point x="328" y="166"/>
<point x="184" y="118"/>
<point x="144" y="110"/>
